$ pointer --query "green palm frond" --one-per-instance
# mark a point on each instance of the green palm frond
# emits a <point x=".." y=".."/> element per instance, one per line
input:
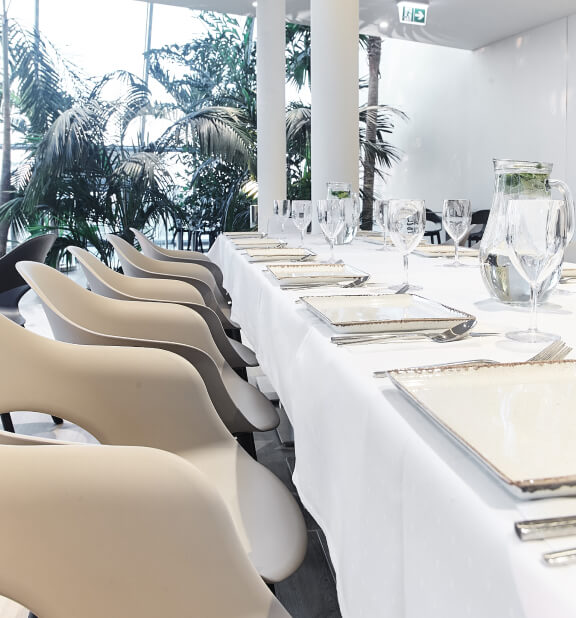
<point x="221" y="132"/>
<point x="34" y="68"/>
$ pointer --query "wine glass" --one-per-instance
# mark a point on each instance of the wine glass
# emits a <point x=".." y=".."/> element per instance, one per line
<point x="282" y="211"/>
<point x="301" y="216"/>
<point x="406" y="224"/>
<point x="381" y="214"/>
<point x="456" y="217"/>
<point x="352" y="212"/>
<point x="331" y="218"/>
<point x="537" y="232"/>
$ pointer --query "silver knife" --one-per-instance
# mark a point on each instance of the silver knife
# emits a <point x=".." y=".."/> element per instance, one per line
<point x="560" y="558"/>
<point x="551" y="527"/>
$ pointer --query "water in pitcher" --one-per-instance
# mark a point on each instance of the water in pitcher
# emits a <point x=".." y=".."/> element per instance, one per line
<point x="514" y="180"/>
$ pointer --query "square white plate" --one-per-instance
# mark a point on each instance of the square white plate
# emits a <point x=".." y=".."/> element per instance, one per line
<point x="444" y="251"/>
<point x="236" y="235"/>
<point x="295" y="274"/>
<point x="278" y="254"/>
<point x="517" y="420"/>
<point x="258" y="243"/>
<point x="369" y="313"/>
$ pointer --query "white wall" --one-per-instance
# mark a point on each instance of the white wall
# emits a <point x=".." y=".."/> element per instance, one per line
<point x="513" y="99"/>
<point x="428" y="83"/>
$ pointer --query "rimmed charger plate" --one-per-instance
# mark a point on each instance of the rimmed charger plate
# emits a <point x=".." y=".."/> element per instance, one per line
<point x="279" y="254"/>
<point x="259" y="243"/>
<point x="516" y="419"/>
<point x="369" y="313"/>
<point x="444" y="251"/>
<point x="237" y="235"/>
<point x="295" y="274"/>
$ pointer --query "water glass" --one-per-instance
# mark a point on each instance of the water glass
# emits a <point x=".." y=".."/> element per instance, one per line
<point x="282" y="211"/>
<point x="301" y="216"/>
<point x="381" y="215"/>
<point x="456" y="218"/>
<point x="331" y="219"/>
<point x="406" y="224"/>
<point x="537" y="233"/>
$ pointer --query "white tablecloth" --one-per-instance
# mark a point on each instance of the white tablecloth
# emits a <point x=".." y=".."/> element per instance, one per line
<point x="415" y="527"/>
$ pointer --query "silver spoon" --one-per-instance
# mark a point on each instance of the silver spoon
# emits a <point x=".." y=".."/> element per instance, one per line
<point x="354" y="283"/>
<point x="451" y="334"/>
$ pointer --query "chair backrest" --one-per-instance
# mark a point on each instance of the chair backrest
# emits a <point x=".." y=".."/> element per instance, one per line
<point x="153" y="250"/>
<point x="138" y="263"/>
<point x="145" y="536"/>
<point x="34" y="249"/>
<point x="79" y="316"/>
<point x="480" y="216"/>
<point x="108" y="282"/>
<point x="132" y="396"/>
<point x="176" y="255"/>
<point x="433" y="217"/>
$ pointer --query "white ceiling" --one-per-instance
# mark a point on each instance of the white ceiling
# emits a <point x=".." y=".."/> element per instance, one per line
<point x="467" y="24"/>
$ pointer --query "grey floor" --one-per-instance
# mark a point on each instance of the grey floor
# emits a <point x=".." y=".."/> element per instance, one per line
<point x="308" y="593"/>
<point x="311" y="591"/>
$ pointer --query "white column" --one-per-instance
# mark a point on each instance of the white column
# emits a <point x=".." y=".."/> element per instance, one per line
<point x="334" y="67"/>
<point x="271" y="105"/>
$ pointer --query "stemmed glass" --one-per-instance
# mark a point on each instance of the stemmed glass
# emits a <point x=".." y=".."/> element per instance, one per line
<point x="282" y="210"/>
<point x="537" y="232"/>
<point x="301" y="216"/>
<point x="381" y="214"/>
<point x="456" y="217"/>
<point x="406" y="224"/>
<point x="331" y="218"/>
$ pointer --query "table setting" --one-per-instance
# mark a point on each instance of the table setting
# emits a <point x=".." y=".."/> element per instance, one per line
<point x="424" y="434"/>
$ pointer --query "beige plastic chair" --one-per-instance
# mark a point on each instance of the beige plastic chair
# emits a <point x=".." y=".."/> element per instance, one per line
<point x="136" y="264"/>
<point x="79" y="316"/>
<point x="143" y="536"/>
<point x="109" y="283"/>
<point x="148" y="397"/>
<point x="156" y="252"/>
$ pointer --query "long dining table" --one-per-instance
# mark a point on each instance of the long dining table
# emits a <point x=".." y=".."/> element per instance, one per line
<point x="416" y="528"/>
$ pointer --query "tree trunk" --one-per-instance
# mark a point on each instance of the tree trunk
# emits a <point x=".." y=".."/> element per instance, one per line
<point x="374" y="53"/>
<point x="5" y="186"/>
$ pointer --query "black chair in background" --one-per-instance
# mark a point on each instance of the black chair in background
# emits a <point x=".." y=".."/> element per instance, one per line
<point x="433" y="233"/>
<point x="13" y="287"/>
<point x="478" y="223"/>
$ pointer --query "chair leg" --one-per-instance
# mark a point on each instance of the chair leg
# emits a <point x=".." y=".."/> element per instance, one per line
<point x="246" y="441"/>
<point x="7" y="423"/>
<point x="57" y="420"/>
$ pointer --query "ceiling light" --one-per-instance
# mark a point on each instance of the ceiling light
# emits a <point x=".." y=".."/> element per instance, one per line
<point x="384" y="25"/>
<point x="414" y="13"/>
<point x="254" y="4"/>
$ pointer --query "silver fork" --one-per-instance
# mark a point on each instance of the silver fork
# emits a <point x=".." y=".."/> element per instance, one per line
<point x="557" y="350"/>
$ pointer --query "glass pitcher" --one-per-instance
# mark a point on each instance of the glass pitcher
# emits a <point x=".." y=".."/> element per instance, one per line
<point x="352" y="208"/>
<point x="515" y="180"/>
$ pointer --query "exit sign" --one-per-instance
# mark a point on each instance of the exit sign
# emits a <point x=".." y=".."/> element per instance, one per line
<point x="412" y="12"/>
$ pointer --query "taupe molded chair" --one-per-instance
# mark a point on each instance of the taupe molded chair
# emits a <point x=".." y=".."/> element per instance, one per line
<point x="13" y="287"/>
<point x="144" y="536"/>
<point x="135" y="264"/>
<point x="148" y="397"/>
<point x="109" y="283"/>
<point x="156" y="252"/>
<point x="79" y="316"/>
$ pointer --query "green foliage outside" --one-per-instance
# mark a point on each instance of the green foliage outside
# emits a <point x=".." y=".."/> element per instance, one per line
<point x="85" y="174"/>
